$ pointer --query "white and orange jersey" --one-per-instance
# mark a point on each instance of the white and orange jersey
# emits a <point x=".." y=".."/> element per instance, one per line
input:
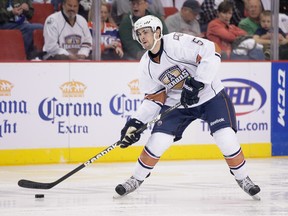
<point x="62" y="38"/>
<point x="182" y="55"/>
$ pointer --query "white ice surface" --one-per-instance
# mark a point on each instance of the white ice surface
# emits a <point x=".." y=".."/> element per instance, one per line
<point x="197" y="187"/>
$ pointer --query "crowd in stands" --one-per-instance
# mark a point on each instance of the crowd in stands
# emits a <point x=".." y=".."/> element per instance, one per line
<point x="221" y="31"/>
<point x="241" y="28"/>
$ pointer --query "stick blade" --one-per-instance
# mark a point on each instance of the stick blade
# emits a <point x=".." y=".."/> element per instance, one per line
<point x="34" y="185"/>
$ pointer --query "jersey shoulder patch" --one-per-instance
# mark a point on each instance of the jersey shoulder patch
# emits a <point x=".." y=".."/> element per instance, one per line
<point x="50" y="20"/>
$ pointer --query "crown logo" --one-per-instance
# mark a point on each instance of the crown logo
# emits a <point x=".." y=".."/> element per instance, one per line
<point x="5" y="88"/>
<point x="134" y="86"/>
<point x="73" y="89"/>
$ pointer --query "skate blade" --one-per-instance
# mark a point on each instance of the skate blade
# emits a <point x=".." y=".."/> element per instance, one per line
<point x="117" y="196"/>
<point x="256" y="197"/>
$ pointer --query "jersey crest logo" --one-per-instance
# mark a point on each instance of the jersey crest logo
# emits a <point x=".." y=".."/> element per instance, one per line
<point x="72" y="42"/>
<point x="173" y="77"/>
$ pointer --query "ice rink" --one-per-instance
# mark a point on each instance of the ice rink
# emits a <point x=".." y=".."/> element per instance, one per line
<point x="196" y="187"/>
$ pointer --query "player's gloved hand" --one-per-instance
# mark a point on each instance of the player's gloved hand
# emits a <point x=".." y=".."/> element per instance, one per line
<point x="128" y="135"/>
<point x="190" y="90"/>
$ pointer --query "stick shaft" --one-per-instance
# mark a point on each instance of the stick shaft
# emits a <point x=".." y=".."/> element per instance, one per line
<point x="40" y="185"/>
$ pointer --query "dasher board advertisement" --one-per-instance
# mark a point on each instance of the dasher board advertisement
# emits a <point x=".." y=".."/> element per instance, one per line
<point x="279" y="104"/>
<point x="61" y="111"/>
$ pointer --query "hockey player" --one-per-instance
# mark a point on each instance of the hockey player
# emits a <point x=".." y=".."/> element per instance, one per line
<point x="180" y="67"/>
<point x="66" y="34"/>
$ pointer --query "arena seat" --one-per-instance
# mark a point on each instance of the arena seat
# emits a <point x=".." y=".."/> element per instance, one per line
<point x="41" y="12"/>
<point x="169" y="11"/>
<point x="12" y="45"/>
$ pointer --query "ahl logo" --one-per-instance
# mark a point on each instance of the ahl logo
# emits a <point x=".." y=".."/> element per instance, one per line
<point x="5" y="88"/>
<point x="134" y="86"/>
<point x="73" y="89"/>
<point x="246" y="95"/>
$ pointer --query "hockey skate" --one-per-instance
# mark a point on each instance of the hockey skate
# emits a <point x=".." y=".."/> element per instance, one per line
<point x="127" y="187"/>
<point x="249" y="187"/>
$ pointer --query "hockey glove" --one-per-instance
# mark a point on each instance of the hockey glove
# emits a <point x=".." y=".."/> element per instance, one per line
<point x="128" y="134"/>
<point x="190" y="90"/>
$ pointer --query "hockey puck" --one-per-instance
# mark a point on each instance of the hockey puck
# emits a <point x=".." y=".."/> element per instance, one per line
<point x="39" y="195"/>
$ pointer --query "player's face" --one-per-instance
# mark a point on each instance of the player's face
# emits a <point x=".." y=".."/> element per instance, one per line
<point x="146" y="37"/>
<point x="70" y="8"/>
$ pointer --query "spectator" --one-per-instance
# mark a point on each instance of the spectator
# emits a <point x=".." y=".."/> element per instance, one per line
<point x="209" y="12"/>
<point x="224" y="34"/>
<point x="263" y="35"/>
<point x="283" y="13"/>
<point x="66" y="34"/>
<point x="122" y="7"/>
<point x="132" y="49"/>
<point x="110" y="19"/>
<point x="185" y="20"/>
<point x="251" y="23"/>
<point x="111" y="47"/>
<point x="221" y="31"/>
<point x="15" y="15"/>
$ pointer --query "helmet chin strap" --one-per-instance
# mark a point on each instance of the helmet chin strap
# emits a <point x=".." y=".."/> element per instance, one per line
<point x="155" y="41"/>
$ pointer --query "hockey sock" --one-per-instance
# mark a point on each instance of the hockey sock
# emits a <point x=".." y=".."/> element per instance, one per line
<point x="157" y="144"/>
<point x="227" y="142"/>
<point x="145" y="164"/>
<point x="237" y="164"/>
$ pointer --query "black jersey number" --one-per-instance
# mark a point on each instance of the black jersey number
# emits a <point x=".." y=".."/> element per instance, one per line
<point x="197" y="41"/>
<point x="177" y="36"/>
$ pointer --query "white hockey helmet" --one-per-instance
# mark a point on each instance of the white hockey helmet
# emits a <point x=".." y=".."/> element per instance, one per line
<point x="149" y="21"/>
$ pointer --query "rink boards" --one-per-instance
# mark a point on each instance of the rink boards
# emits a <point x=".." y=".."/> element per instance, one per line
<point x="67" y="112"/>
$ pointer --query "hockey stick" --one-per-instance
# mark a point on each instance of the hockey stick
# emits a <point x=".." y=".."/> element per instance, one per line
<point x="40" y="185"/>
